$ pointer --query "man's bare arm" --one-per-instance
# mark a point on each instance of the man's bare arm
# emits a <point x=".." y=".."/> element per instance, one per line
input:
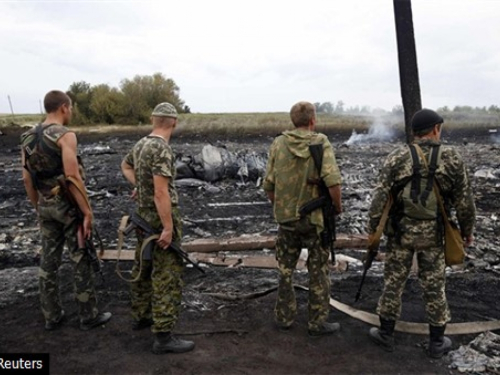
<point x="164" y="208"/>
<point x="336" y="195"/>
<point x="28" y="185"/>
<point x="128" y="172"/>
<point x="68" y="145"/>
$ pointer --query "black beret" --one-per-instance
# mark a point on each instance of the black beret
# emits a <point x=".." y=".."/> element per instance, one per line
<point x="425" y="119"/>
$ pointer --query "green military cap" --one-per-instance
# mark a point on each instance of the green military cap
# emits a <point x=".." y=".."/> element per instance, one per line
<point x="165" y="110"/>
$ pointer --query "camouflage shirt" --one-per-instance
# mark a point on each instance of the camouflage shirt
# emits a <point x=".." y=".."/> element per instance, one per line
<point x="43" y="162"/>
<point x="151" y="156"/>
<point x="451" y="175"/>
<point x="289" y="167"/>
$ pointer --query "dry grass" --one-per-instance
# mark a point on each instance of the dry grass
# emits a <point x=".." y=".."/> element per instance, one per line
<point x="270" y="123"/>
<point x="243" y="124"/>
<point x="7" y="120"/>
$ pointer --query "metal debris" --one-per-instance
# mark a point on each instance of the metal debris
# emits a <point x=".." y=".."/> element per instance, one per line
<point x="481" y="355"/>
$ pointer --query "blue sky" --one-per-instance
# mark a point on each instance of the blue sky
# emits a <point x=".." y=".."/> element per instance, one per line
<point x="258" y="56"/>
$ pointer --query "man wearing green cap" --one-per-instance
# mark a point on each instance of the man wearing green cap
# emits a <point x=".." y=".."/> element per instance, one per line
<point x="157" y="294"/>
<point x="415" y="226"/>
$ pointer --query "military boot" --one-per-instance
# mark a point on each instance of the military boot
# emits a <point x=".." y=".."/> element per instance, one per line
<point x="52" y="325"/>
<point x="99" y="320"/>
<point x="142" y="323"/>
<point x="324" y="329"/>
<point x="384" y="336"/>
<point x="165" y="342"/>
<point x="439" y="344"/>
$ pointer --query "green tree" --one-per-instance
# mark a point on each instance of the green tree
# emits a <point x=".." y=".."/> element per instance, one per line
<point x="494" y="109"/>
<point x="80" y="94"/>
<point x="106" y="104"/>
<point x="143" y="93"/>
<point x="326" y="107"/>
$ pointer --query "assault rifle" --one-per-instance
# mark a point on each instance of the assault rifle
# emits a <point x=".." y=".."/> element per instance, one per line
<point x="324" y="201"/>
<point x="85" y="244"/>
<point x="367" y="264"/>
<point x="138" y="222"/>
<point x="373" y="246"/>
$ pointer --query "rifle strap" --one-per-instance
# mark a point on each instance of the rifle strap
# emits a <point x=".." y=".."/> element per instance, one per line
<point x="123" y="224"/>
<point x="416" y="175"/>
<point x="373" y="246"/>
<point x="81" y="189"/>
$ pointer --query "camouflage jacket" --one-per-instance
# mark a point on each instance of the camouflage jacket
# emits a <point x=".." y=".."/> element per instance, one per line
<point x="151" y="156"/>
<point x="41" y="162"/>
<point x="289" y="167"/>
<point x="451" y="175"/>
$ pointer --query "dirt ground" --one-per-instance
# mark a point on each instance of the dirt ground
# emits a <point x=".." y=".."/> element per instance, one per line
<point x="232" y="337"/>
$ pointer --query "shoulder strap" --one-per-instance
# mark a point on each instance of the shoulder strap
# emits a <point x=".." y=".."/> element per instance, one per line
<point x="415" y="181"/>
<point x="39" y="142"/>
<point x="434" y="157"/>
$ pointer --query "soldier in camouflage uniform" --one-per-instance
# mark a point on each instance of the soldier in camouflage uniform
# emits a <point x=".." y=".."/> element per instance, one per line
<point x="49" y="153"/>
<point x="156" y="296"/>
<point x="287" y="182"/>
<point x="407" y="236"/>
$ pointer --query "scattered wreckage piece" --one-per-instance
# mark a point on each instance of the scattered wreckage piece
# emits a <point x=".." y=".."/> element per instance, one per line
<point x="481" y="355"/>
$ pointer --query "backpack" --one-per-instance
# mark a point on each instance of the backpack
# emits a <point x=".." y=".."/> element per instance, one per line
<point x="417" y="196"/>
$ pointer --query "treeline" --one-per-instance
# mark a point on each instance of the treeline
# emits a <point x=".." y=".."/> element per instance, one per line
<point x="130" y="103"/>
<point x="340" y="108"/>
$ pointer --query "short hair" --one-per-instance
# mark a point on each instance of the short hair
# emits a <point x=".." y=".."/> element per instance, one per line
<point x="54" y="100"/>
<point x="302" y="113"/>
<point x="163" y="122"/>
<point x="423" y="132"/>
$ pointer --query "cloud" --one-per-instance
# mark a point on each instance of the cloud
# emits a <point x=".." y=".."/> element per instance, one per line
<point x="251" y="56"/>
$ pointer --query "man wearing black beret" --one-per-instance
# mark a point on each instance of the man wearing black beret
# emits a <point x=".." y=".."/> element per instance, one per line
<point x="415" y="225"/>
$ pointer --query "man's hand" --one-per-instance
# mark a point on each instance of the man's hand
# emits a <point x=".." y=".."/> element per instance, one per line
<point x="133" y="195"/>
<point x="87" y="226"/>
<point x="468" y="240"/>
<point x="336" y="196"/>
<point x="165" y="238"/>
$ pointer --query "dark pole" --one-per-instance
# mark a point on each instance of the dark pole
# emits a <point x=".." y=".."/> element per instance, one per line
<point x="11" y="110"/>
<point x="408" y="69"/>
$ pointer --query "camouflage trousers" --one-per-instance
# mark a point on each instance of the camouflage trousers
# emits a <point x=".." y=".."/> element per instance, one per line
<point x="431" y="274"/>
<point x="158" y="292"/>
<point x="58" y="225"/>
<point x="293" y="237"/>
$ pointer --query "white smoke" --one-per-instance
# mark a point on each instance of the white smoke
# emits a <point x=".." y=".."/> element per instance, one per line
<point x="495" y="135"/>
<point x="378" y="131"/>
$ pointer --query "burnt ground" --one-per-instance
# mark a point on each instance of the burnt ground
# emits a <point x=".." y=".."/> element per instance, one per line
<point x="232" y="336"/>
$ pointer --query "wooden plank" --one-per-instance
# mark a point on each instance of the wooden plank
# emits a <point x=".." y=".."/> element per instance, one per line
<point x="243" y="243"/>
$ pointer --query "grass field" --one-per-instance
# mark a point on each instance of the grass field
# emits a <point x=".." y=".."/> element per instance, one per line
<point x="272" y="123"/>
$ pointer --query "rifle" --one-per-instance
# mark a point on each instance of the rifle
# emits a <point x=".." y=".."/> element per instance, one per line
<point x="367" y="264"/>
<point x="85" y="244"/>
<point x="373" y="246"/>
<point x="138" y="222"/>
<point x="324" y="201"/>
